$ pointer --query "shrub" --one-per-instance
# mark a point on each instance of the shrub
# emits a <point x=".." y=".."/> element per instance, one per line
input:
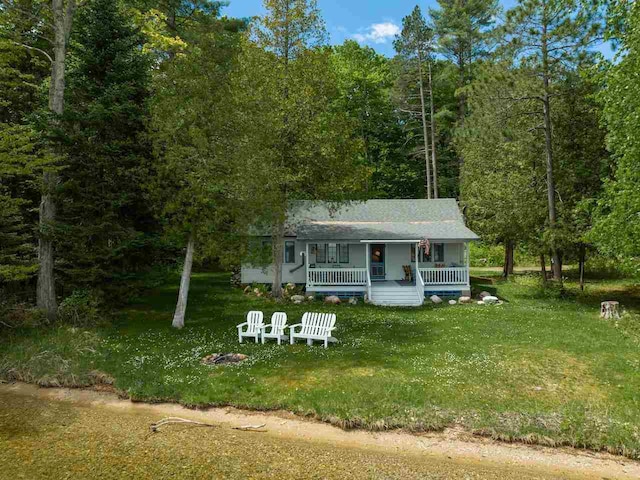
<point x="81" y="308"/>
<point x="16" y="314"/>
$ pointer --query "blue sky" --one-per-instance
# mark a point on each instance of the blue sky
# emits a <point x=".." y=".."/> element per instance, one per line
<point x="371" y="22"/>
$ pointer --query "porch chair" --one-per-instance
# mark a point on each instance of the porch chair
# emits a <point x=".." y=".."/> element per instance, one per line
<point x="314" y="326"/>
<point x="277" y="326"/>
<point x="254" y="323"/>
<point x="408" y="273"/>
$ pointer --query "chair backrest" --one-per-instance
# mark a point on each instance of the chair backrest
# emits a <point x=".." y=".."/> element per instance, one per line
<point x="255" y="320"/>
<point x="317" y="323"/>
<point x="279" y="321"/>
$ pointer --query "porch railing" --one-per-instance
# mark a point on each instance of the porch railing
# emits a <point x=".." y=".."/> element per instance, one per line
<point x="337" y="276"/>
<point x="420" y="288"/>
<point x="445" y="276"/>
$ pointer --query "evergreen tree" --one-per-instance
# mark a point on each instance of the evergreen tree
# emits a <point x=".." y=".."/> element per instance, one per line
<point x="416" y="42"/>
<point x="464" y="28"/>
<point x="550" y="37"/>
<point x="102" y="217"/>
<point x="22" y="161"/>
<point x="501" y="175"/>
<point x="23" y="157"/>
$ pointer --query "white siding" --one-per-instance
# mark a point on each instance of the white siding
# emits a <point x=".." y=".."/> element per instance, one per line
<point x="250" y="274"/>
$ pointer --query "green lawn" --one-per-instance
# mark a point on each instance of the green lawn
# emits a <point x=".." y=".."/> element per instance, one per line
<point x="537" y="368"/>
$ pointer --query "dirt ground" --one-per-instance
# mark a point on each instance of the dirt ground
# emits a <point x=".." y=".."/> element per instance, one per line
<point x="60" y="433"/>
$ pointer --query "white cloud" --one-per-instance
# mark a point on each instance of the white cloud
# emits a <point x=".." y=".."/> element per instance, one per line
<point x="378" y="33"/>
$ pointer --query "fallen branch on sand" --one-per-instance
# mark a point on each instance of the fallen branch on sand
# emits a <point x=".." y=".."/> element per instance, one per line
<point x="251" y="428"/>
<point x="165" y="421"/>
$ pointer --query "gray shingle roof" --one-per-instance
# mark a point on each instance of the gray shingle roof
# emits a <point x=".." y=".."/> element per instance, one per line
<point x="439" y="219"/>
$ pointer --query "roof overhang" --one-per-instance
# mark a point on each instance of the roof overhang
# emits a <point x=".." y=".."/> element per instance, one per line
<point x="398" y="232"/>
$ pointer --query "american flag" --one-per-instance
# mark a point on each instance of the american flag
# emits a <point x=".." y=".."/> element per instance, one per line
<point x="425" y="245"/>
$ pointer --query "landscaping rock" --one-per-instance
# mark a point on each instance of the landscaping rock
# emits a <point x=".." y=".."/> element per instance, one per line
<point x="353" y="301"/>
<point x="236" y="278"/>
<point x="310" y="298"/>
<point x="464" y="300"/>
<point x="297" y="299"/>
<point x="480" y="302"/>
<point x="484" y="294"/>
<point x="435" y="299"/>
<point x="332" y="299"/>
<point x="490" y="300"/>
<point x="452" y="302"/>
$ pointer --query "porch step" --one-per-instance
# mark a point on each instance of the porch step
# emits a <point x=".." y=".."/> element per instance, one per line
<point x="401" y="297"/>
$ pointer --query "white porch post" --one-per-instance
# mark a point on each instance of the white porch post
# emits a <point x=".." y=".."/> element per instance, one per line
<point x="306" y="263"/>
<point x="417" y="249"/>
<point x="368" y="254"/>
<point x="467" y="249"/>
<point x="368" y="263"/>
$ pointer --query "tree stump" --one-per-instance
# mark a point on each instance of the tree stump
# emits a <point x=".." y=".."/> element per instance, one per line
<point x="609" y="310"/>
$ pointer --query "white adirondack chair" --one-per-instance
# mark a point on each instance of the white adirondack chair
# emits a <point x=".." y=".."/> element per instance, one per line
<point x="277" y="326"/>
<point x="254" y="323"/>
<point x="314" y="326"/>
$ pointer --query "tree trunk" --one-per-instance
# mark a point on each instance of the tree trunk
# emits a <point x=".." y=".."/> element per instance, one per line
<point x="581" y="261"/>
<point x="548" y="136"/>
<point x="508" y="259"/>
<point x="424" y="127"/>
<point x="277" y="243"/>
<point x="46" y="289"/>
<point x="183" y="295"/>
<point x="433" y="137"/>
<point x="462" y="109"/>
<point x="543" y="269"/>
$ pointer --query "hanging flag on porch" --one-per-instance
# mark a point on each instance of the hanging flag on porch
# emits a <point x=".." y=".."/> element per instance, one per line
<point x="425" y="245"/>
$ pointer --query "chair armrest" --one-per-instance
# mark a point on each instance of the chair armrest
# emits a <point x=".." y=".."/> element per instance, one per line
<point x="242" y="325"/>
<point x="329" y="330"/>
<point x="264" y="327"/>
<point x="291" y="327"/>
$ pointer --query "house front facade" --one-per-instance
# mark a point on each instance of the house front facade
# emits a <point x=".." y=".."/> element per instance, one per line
<point x="394" y="252"/>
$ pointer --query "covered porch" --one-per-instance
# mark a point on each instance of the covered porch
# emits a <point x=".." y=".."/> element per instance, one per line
<point x="387" y="267"/>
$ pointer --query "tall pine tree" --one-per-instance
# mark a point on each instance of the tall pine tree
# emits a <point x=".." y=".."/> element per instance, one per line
<point x="103" y="216"/>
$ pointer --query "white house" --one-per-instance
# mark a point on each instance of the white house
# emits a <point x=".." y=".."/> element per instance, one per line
<point x="373" y="248"/>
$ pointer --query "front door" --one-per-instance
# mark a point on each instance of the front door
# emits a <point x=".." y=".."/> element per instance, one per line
<point x="377" y="261"/>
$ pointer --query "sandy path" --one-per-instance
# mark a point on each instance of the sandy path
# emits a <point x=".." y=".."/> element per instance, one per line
<point x="450" y="446"/>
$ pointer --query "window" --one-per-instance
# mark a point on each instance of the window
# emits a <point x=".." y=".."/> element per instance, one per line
<point x="332" y="253"/>
<point x="436" y="253"/>
<point x="344" y="252"/>
<point x="321" y="253"/>
<point x="266" y="248"/>
<point x="289" y="252"/>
